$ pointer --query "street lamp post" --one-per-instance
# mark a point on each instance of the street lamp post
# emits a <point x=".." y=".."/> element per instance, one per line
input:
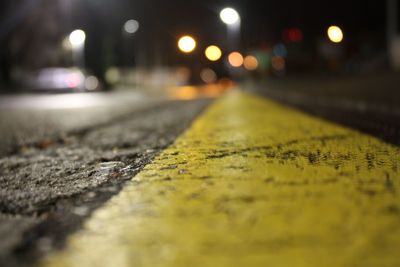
<point x="129" y="29"/>
<point x="77" y="40"/>
<point x="231" y="18"/>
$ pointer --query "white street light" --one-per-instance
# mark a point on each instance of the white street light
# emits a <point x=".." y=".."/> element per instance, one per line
<point x="77" y="38"/>
<point x="229" y="16"/>
<point x="131" y="26"/>
<point x="128" y="30"/>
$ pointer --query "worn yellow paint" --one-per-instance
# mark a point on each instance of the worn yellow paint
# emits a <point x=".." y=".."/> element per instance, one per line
<point x="252" y="183"/>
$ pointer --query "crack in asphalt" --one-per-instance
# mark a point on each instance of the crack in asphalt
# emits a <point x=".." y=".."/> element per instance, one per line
<point x="269" y="150"/>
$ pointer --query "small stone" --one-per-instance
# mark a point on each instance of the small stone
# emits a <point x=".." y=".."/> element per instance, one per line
<point x="81" y="211"/>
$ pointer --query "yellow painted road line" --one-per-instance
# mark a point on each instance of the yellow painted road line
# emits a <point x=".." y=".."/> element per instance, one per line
<point x="252" y="183"/>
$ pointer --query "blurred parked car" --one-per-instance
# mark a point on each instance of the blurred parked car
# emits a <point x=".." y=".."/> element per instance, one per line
<point x="60" y="79"/>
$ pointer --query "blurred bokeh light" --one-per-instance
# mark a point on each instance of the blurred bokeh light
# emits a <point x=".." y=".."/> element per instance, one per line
<point x="91" y="83"/>
<point x="213" y="53"/>
<point x="278" y="63"/>
<point x="187" y="44"/>
<point x="131" y="26"/>
<point x="208" y="75"/>
<point x="77" y="38"/>
<point x="335" y="34"/>
<point x="250" y="63"/>
<point x="229" y="16"/>
<point x="235" y="59"/>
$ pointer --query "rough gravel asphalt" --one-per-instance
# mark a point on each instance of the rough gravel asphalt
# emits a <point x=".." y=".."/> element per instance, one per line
<point x="49" y="187"/>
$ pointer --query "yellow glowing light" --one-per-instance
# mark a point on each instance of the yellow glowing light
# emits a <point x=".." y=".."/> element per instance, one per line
<point x="235" y="59"/>
<point x="335" y="34"/>
<point x="187" y="44"/>
<point x="250" y="63"/>
<point x="213" y="53"/>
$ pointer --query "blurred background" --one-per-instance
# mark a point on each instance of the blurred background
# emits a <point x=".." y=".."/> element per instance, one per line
<point x="88" y="45"/>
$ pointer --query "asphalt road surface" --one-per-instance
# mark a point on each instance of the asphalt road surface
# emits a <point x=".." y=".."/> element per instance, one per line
<point x="64" y="156"/>
<point x="369" y="103"/>
<point x="30" y="118"/>
<point x="251" y="183"/>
